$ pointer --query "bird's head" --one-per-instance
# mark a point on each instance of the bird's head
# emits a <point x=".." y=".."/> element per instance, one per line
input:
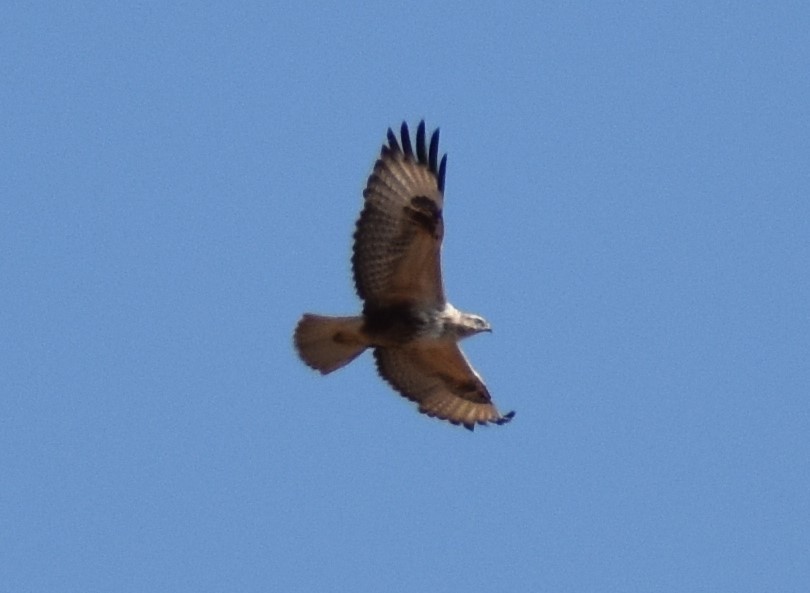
<point x="469" y="325"/>
<point x="457" y="324"/>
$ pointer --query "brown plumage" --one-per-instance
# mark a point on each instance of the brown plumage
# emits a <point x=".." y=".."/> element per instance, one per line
<point x="397" y="273"/>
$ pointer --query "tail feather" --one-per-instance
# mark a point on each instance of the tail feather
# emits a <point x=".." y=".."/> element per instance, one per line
<point x="329" y="343"/>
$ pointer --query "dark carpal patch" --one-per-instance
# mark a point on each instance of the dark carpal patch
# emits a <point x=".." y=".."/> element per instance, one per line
<point x="424" y="212"/>
<point x="469" y="390"/>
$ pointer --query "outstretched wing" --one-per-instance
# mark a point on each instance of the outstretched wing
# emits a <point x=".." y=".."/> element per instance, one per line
<point x="439" y="378"/>
<point x="399" y="233"/>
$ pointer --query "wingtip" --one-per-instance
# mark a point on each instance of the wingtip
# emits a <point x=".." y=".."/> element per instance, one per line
<point x="442" y="172"/>
<point x="405" y="137"/>
<point x="393" y="144"/>
<point x="433" y="152"/>
<point x="506" y="418"/>
<point x="500" y="421"/>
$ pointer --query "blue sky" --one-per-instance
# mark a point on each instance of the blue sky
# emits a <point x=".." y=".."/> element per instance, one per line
<point x="628" y="203"/>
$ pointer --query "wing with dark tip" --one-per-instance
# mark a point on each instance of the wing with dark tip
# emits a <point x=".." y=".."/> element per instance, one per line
<point x="438" y="377"/>
<point x="399" y="233"/>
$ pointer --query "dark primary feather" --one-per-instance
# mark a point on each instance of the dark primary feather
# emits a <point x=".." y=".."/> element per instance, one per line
<point x="392" y="141"/>
<point x="434" y="150"/>
<point x="420" y="143"/>
<point x="442" y="170"/>
<point x="406" y="140"/>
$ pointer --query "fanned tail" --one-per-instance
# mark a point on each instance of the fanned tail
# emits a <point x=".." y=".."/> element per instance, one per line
<point x="329" y="343"/>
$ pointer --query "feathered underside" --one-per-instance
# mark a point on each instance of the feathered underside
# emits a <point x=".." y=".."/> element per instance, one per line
<point x="438" y="377"/>
<point x="399" y="233"/>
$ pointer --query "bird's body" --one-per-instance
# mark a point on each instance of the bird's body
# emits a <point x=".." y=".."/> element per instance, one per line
<point x="406" y="318"/>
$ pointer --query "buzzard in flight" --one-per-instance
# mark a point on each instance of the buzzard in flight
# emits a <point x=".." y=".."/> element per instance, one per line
<point x="406" y="318"/>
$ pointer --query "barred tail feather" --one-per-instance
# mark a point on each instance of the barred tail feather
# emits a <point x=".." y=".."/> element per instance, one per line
<point x="329" y="343"/>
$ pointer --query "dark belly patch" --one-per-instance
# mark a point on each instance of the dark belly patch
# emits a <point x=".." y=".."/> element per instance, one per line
<point x="392" y="323"/>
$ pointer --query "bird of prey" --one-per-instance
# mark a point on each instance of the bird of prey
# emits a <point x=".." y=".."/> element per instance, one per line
<point x="406" y="318"/>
